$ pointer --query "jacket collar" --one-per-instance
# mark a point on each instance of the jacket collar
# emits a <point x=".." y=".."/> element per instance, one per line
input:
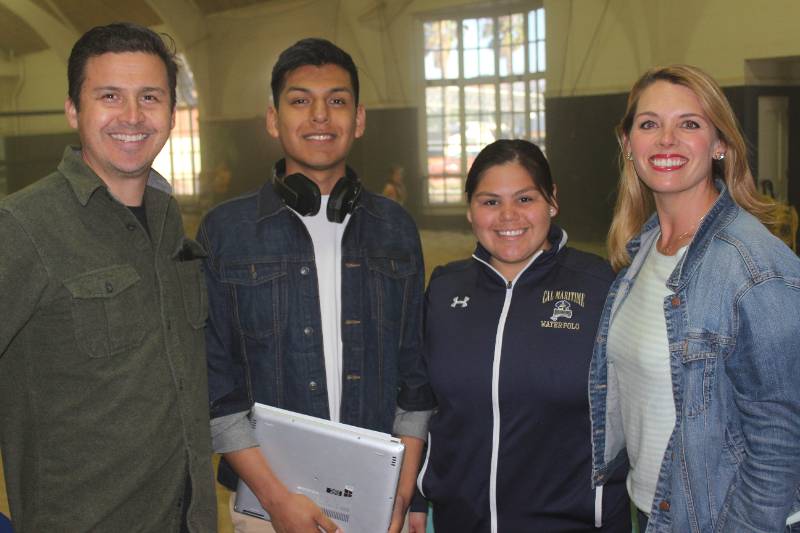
<point x="269" y="203"/>
<point x="721" y="214"/>
<point x="557" y="238"/>
<point x="84" y="181"/>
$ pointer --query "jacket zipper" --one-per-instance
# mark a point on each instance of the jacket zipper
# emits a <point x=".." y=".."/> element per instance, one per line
<point x="498" y="352"/>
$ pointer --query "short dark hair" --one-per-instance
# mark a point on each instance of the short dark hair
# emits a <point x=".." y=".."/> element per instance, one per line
<point x="525" y="153"/>
<point x="118" y="38"/>
<point x="311" y="51"/>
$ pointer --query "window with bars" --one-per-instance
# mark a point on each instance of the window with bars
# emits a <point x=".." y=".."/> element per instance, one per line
<point x="179" y="160"/>
<point x="484" y="80"/>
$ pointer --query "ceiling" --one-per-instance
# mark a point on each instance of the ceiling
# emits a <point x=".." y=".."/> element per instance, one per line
<point x="18" y="38"/>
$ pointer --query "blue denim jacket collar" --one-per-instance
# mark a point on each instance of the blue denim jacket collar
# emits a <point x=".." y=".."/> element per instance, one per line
<point x="721" y="214"/>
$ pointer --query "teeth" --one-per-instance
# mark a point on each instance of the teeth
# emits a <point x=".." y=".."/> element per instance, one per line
<point x="319" y="137"/>
<point x="668" y="161"/>
<point x="128" y="138"/>
<point x="510" y="233"/>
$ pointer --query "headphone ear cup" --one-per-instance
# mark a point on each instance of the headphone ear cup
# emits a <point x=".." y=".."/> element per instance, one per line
<point x="343" y="198"/>
<point x="299" y="193"/>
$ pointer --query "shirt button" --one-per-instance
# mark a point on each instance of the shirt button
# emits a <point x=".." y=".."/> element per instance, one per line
<point x="312" y="386"/>
<point x="663" y="505"/>
<point x="130" y="226"/>
<point x="308" y="330"/>
<point x="676" y="301"/>
<point x="304" y="270"/>
<point x="109" y="287"/>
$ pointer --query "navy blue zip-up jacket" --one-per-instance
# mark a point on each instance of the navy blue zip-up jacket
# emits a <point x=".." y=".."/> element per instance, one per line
<point x="510" y="447"/>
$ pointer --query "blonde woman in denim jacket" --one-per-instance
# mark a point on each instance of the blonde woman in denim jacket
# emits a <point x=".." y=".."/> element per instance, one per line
<point x="695" y="376"/>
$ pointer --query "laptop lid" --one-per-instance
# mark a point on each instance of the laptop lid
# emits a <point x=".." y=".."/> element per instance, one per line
<point x="351" y="473"/>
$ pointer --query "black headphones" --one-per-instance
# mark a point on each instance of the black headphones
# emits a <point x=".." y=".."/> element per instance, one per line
<point x="301" y="193"/>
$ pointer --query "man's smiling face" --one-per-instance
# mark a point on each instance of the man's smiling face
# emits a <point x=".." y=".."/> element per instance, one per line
<point x="316" y="121"/>
<point x="125" y="114"/>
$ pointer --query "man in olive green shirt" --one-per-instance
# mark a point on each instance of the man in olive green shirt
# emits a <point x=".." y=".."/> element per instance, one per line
<point x="103" y="395"/>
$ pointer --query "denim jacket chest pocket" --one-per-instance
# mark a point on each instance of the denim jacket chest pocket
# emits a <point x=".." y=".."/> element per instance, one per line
<point x="259" y="292"/>
<point x="390" y="275"/>
<point x="701" y="357"/>
<point x="106" y="310"/>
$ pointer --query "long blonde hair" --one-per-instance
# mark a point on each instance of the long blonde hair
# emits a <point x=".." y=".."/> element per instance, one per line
<point x="635" y="201"/>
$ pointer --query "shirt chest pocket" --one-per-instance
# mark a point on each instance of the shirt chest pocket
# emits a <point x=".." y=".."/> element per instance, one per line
<point x="259" y="292"/>
<point x="390" y="276"/>
<point x="107" y="308"/>
<point x="193" y="287"/>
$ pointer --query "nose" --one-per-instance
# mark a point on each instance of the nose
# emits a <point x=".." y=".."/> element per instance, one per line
<point x="132" y="113"/>
<point x="508" y="211"/>
<point x="667" y="136"/>
<point x="319" y="111"/>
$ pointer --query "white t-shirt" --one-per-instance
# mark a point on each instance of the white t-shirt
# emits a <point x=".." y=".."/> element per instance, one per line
<point x="638" y="351"/>
<point x="326" y="237"/>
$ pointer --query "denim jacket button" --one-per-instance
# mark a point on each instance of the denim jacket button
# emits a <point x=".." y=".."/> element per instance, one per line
<point x="304" y="270"/>
<point x="308" y="330"/>
<point x="676" y="301"/>
<point x="663" y="505"/>
<point x="312" y="386"/>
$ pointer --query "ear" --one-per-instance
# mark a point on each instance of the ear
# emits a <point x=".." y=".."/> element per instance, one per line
<point x="361" y="120"/>
<point x="71" y="113"/>
<point x="720" y="147"/>
<point x="272" y="122"/>
<point x="469" y="215"/>
<point x="554" y="200"/>
<point x="172" y="119"/>
<point x="626" y="144"/>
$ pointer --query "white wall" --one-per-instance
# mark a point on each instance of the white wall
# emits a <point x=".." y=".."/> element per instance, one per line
<point x="594" y="47"/>
<point x="597" y="47"/>
<point x="39" y="84"/>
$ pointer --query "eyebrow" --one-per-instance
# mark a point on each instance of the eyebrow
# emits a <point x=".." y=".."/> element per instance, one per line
<point x="329" y="91"/>
<point x="682" y="115"/>
<point x="141" y="89"/>
<point x="532" y="188"/>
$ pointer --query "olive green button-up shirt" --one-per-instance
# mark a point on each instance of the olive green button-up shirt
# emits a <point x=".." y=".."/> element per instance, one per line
<point x="103" y="395"/>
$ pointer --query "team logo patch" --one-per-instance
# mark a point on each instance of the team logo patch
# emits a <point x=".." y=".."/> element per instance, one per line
<point x="566" y="304"/>
<point x="459" y="302"/>
<point x="562" y="309"/>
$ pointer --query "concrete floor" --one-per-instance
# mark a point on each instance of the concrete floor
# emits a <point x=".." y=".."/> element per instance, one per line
<point x="439" y="247"/>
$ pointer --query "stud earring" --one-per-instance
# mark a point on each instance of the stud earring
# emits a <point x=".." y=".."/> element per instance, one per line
<point x="629" y="156"/>
<point x="552" y="211"/>
<point x="720" y="156"/>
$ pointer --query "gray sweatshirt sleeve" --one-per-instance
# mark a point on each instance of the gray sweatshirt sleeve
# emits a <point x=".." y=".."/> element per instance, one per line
<point x="232" y="432"/>
<point x="412" y="423"/>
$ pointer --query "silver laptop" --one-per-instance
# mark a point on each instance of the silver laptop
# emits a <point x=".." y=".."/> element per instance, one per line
<point x="349" y="472"/>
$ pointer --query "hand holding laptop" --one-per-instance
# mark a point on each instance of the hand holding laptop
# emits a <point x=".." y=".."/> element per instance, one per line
<point x="318" y="473"/>
<point x="297" y="513"/>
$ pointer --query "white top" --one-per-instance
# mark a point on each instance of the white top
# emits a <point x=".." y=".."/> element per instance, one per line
<point x="638" y="351"/>
<point x="326" y="237"/>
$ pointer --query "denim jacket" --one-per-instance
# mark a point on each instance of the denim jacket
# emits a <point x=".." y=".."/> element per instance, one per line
<point x="264" y="329"/>
<point x="733" y="460"/>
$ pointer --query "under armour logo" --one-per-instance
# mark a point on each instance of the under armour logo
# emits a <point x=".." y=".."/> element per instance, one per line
<point x="459" y="303"/>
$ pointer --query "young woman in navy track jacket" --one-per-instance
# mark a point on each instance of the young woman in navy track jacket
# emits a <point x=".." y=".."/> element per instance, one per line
<point x="508" y="340"/>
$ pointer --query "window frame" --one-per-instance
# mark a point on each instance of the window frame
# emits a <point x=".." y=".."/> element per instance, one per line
<point x="527" y="77"/>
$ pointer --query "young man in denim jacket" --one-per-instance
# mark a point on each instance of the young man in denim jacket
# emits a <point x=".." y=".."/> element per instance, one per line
<point x="315" y="290"/>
